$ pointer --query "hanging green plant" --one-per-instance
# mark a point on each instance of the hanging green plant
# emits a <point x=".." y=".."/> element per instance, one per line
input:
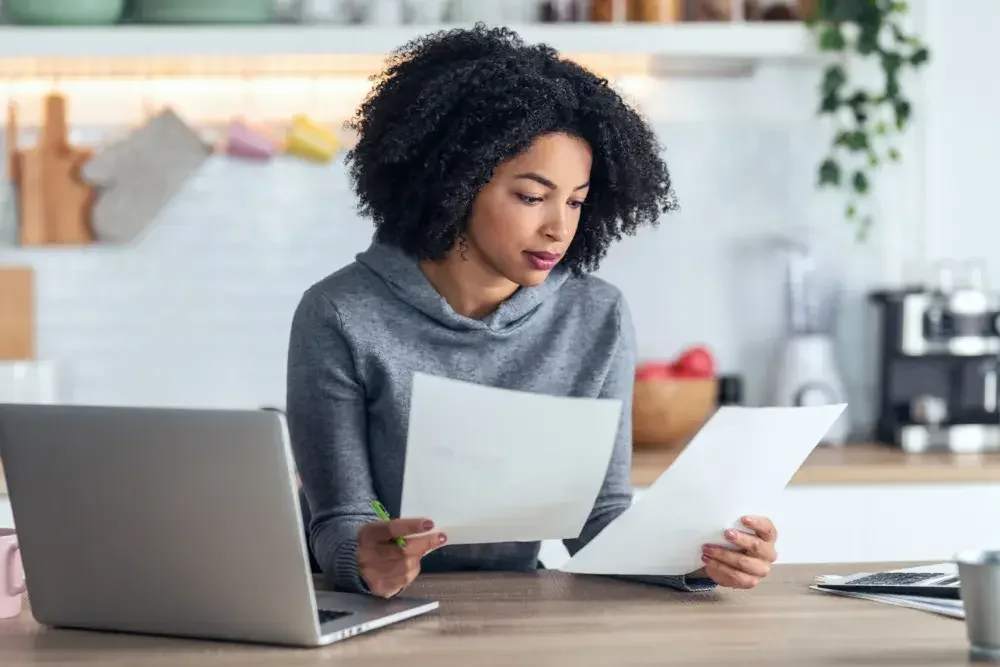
<point x="867" y="120"/>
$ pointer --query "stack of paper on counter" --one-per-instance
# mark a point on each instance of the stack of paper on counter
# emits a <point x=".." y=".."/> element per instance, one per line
<point x="737" y="464"/>
<point x="942" y="606"/>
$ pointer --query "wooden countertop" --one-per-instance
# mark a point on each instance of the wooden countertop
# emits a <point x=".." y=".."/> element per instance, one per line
<point x="855" y="464"/>
<point x="850" y="464"/>
<point x="556" y="619"/>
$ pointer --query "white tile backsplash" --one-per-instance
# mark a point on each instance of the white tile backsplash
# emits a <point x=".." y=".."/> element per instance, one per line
<point x="197" y="312"/>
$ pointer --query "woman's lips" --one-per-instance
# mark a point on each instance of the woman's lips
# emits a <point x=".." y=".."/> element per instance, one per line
<point x="542" y="261"/>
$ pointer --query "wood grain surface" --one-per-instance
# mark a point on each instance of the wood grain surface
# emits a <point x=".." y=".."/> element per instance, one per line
<point x="555" y="619"/>
<point x="17" y="313"/>
<point x="855" y="464"/>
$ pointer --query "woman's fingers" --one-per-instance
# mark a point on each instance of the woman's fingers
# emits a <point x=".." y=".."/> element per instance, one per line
<point x="737" y="560"/>
<point x="419" y="547"/>
<point x="763" y="526"/>
<point x="727" y="575"/>
<point x="377" y="532"/>
<point x="390" y="577"/>
<point x="415" y="547"/>
<point x="753" y="545"/>
<point x="388" y="568"/>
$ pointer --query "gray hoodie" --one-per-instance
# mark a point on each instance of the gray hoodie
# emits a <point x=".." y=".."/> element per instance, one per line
<point x="358" y="336"/>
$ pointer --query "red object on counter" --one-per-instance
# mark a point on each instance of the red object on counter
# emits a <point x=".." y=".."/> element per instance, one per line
<point x="693" y="362"/>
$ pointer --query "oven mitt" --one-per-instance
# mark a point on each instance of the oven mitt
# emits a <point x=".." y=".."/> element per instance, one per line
<point x="135" y="178"/>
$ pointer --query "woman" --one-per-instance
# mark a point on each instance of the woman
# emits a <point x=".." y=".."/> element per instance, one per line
<point x="497" y="176"/>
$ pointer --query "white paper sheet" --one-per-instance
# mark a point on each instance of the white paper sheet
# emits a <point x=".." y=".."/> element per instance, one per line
<point x="737" y="464"/>
<point x="495" y="465"/>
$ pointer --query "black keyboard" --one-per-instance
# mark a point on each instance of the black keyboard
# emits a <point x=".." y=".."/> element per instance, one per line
<point x="327" y="615"/>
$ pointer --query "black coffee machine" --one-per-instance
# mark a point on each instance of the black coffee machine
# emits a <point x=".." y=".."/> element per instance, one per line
<point x="938" y="365"/>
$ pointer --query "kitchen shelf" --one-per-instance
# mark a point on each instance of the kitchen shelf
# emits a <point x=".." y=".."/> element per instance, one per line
<point x="748" y="42"/>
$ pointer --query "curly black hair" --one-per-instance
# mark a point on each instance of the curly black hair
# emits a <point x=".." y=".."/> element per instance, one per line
<point x="451" y="106"/>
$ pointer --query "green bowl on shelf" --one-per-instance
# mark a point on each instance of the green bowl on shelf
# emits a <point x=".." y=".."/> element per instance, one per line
<point x="204" y="11"/>
<point x="63" y="12"/>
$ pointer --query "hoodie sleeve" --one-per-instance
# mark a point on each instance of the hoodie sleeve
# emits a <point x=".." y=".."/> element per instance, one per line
<point x="616" y="493"/>
<point x="327" y="423"/>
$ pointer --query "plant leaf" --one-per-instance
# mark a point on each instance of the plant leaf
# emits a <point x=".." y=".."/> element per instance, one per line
<point x="853" y="140"/>
<point x="829" y="173"/>
<point x="867" y="40"/>
<point x="831" y="39"/>
<point x="860" y="182"/>
<point x="843" y="10"/>
<point x="903" y="112"/>
<point x="833" y="80"/>
<point x="891" y="62"/>
<point x="829" y="104"/>
<point x="891" y="86"/>
<point x="872" y="19"/>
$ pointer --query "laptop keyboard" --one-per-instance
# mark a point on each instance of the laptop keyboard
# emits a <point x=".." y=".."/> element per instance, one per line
<point x="327" y="615"/>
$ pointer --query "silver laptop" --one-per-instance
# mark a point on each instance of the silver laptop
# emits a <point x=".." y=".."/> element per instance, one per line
<point x="171" y="522"/>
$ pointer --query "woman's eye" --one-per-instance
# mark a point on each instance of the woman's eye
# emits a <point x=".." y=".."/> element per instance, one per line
<point x="528" y="199"/>
<point x="575" y="204"/>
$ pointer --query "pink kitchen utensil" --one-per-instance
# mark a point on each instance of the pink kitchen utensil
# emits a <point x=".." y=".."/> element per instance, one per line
<point x="246" y="142"/>
<point x="11" y="575"/>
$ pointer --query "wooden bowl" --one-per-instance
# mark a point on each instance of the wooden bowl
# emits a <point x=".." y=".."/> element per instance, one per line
<point x="666" y="413"/>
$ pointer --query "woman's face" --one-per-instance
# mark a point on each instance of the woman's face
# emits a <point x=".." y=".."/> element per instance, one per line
<point x="522" y="222"/>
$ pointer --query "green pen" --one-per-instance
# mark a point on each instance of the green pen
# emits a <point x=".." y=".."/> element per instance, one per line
<point x="382" y="514"/>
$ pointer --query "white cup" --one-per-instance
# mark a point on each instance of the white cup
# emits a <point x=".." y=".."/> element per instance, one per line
<point x="28" y="382"/>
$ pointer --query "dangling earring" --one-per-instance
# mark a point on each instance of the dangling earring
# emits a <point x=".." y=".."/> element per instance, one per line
<point x="463" y="247"/>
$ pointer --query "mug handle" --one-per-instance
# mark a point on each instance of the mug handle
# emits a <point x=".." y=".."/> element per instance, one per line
<point x="12" y="588"/>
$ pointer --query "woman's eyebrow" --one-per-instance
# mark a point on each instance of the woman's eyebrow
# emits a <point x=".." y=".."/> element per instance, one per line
<point x="541" y="180"/>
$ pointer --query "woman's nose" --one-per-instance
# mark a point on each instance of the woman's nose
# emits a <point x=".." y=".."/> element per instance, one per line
<point x="557" y="225"/>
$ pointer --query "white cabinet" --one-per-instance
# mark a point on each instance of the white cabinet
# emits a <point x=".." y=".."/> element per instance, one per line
<point x="870" y="523"/>
<point x="860" y="523"/>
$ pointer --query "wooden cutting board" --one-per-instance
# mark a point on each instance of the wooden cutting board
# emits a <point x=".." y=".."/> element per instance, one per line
<point x="17" y="313"/>
<point x="54" y="202"/>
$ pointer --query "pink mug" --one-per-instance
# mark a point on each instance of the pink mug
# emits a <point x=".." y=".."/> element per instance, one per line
<point x="244" y="141"/>
<point x="11" y="576"/>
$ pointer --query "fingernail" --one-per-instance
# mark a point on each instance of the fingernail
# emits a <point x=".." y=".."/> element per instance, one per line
<point x="442" y="538"/>
<point x="427" y="525"/>
<point x="706" y="549"/>
<point x="704" y="558"/>
<point x="747" y="521"/>
<point x="730" y="534"/>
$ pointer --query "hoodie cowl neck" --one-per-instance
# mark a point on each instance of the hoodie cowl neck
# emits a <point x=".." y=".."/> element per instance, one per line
<point x="401" y="272"/>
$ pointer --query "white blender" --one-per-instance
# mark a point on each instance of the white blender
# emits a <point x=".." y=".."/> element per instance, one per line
<point x="807" y="372"/>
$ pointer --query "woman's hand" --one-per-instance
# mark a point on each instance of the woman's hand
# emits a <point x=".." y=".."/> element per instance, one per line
<point x="386" y="567"/>
<point x="745" y="567"/>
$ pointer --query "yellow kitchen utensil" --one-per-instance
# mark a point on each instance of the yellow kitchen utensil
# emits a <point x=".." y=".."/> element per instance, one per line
<point x="311" y="140"/>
